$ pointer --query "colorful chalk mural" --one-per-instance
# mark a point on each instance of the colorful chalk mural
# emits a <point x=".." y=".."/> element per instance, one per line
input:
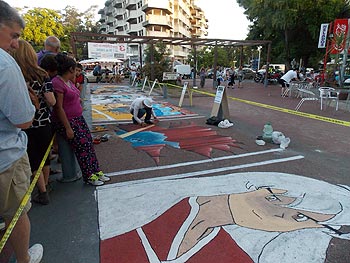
<point x="190" y="137"/>
<point x="233" y="218"/>
<point x="112" y="103"/>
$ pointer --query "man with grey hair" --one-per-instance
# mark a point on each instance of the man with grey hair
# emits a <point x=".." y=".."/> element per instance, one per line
<point x="16" y="113"/>
<point x="51" y="46"/>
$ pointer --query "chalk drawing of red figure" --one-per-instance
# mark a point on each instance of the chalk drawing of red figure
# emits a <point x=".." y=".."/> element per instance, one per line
<point x="244" y="217"/>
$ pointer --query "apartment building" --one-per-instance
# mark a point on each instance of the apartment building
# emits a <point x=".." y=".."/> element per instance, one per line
<point x="162" y="18"/>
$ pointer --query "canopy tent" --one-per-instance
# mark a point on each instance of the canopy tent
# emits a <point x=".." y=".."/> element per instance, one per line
<point x="100" y="60"/>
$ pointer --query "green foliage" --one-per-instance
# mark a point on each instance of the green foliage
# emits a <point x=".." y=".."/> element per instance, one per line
<point x="293" y="26"/>
<point x="205" y="57"/>
<point x="40" y="23"/>
<point x="43" y="22"/>
<point x="161" y="60"/>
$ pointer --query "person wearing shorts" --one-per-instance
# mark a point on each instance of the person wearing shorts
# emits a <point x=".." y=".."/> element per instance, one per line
<point x="16" y="113"/>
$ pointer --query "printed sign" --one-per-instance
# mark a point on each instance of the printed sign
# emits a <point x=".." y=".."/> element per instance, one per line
<point x="340" y="31"/>
<point x="169" y="76"/>
<point x="219" y="94"/>
<point x="323" y="36"/>
<point x="106" y="50"/>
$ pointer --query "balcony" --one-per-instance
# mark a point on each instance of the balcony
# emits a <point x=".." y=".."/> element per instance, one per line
<point x="111" y="30"/>
<point x="157" y="20"/>
<point x="118" y="4"/>
<point x="133" y="28"/>
<point x="154" y="4"/>
<point x="110" y="10"/>
<point x="110" y="20"/>
<point x="108" y="2"/>
<point x="131" y="4"/>
<point x="196" y="25"/>
<point x="133" y="15"/>
<point x="196" y="14"/>
<point x="121" y="26"/>
<point x="103" y="29"/>
<point x="157" y="33"/>
<point x="118" y="13"/>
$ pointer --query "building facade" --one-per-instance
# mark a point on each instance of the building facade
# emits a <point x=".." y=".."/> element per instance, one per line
<point x="162" y="18"/>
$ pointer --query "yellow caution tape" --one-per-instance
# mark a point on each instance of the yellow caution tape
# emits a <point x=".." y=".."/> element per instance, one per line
<point x="293" y="112"/>
<point x="25" y="199"/>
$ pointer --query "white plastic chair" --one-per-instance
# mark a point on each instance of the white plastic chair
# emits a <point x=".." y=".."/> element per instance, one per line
<point x="307" y="95"/>
<point x="329" y="94"/>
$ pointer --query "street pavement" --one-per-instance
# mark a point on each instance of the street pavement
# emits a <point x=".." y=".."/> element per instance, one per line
<point x="69" y="229"/>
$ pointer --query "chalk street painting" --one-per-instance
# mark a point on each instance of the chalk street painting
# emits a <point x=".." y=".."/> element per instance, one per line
<point x="239" y="217"/>
<point x="190" y="137"/>
<point x="110" y="103"/>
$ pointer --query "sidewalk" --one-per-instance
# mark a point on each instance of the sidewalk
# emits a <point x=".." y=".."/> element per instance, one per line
<point x="68" y="227"/>
<point x="271" y="95"/>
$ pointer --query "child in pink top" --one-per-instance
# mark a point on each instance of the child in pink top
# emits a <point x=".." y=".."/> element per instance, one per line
<point x="70" y="123"/>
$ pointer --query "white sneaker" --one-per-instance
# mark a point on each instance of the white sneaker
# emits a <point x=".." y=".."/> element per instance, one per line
<point x="102" y="177"/>
<point x="36" y="253"/>
<point x="95" y="180"/>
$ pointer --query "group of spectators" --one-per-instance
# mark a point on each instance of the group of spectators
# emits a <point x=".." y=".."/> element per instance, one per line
<point x="116" y="74"/>
<point x="39" y="96"/>
<point x="224" y="75"/>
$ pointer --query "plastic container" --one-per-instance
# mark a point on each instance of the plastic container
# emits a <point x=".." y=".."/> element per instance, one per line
<point x="267" y="132"/>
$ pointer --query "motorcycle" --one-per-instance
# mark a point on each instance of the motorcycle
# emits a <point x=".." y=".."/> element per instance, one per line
<point x="272" y="77"/>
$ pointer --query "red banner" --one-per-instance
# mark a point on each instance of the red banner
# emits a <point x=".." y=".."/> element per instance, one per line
<point x="340" y="31"/>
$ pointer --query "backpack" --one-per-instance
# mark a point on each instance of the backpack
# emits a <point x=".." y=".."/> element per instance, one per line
<point x="213" y="120"/>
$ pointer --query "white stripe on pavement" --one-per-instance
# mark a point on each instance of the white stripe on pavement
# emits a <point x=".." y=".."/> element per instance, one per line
<point x="204" y="172"/>
<point x="139" y="170"/>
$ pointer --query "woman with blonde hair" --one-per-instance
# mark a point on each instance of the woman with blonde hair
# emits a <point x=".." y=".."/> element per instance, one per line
<point x="40" y="133"/>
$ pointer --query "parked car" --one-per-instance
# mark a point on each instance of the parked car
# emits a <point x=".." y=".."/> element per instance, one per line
<point x="91" y="78"/>
<point x="248" y="73"/>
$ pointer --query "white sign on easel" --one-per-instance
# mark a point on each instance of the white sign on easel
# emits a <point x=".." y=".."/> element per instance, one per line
<point x="220" y="101"/>
<point x="219" y="94"/>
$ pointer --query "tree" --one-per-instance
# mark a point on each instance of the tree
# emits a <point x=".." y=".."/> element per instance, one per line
<point x="161" y="60"/>
<point x="59" y="24"/>
<point x="293" y="26"/>
<point x="41" y="23"/>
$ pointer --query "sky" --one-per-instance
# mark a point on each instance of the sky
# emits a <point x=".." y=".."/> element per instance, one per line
<point x="226" y="18"/>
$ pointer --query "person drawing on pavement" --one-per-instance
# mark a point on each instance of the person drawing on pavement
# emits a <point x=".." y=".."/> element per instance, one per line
<point x="140" y="107"/>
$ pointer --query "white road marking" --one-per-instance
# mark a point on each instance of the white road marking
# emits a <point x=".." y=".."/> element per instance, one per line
<point x="204" y="172"/>
<point x="139" y="170"/>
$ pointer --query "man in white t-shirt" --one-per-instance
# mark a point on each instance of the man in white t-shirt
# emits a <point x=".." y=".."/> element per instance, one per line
<point x="287" y="78"/>
<point x="140" y="107"/>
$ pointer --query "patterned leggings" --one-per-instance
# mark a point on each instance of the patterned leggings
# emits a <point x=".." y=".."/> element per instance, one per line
<point x="82" y="145"/>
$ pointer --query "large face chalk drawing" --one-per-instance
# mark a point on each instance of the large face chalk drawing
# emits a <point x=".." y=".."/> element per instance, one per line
<point x="238" y="217"/>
